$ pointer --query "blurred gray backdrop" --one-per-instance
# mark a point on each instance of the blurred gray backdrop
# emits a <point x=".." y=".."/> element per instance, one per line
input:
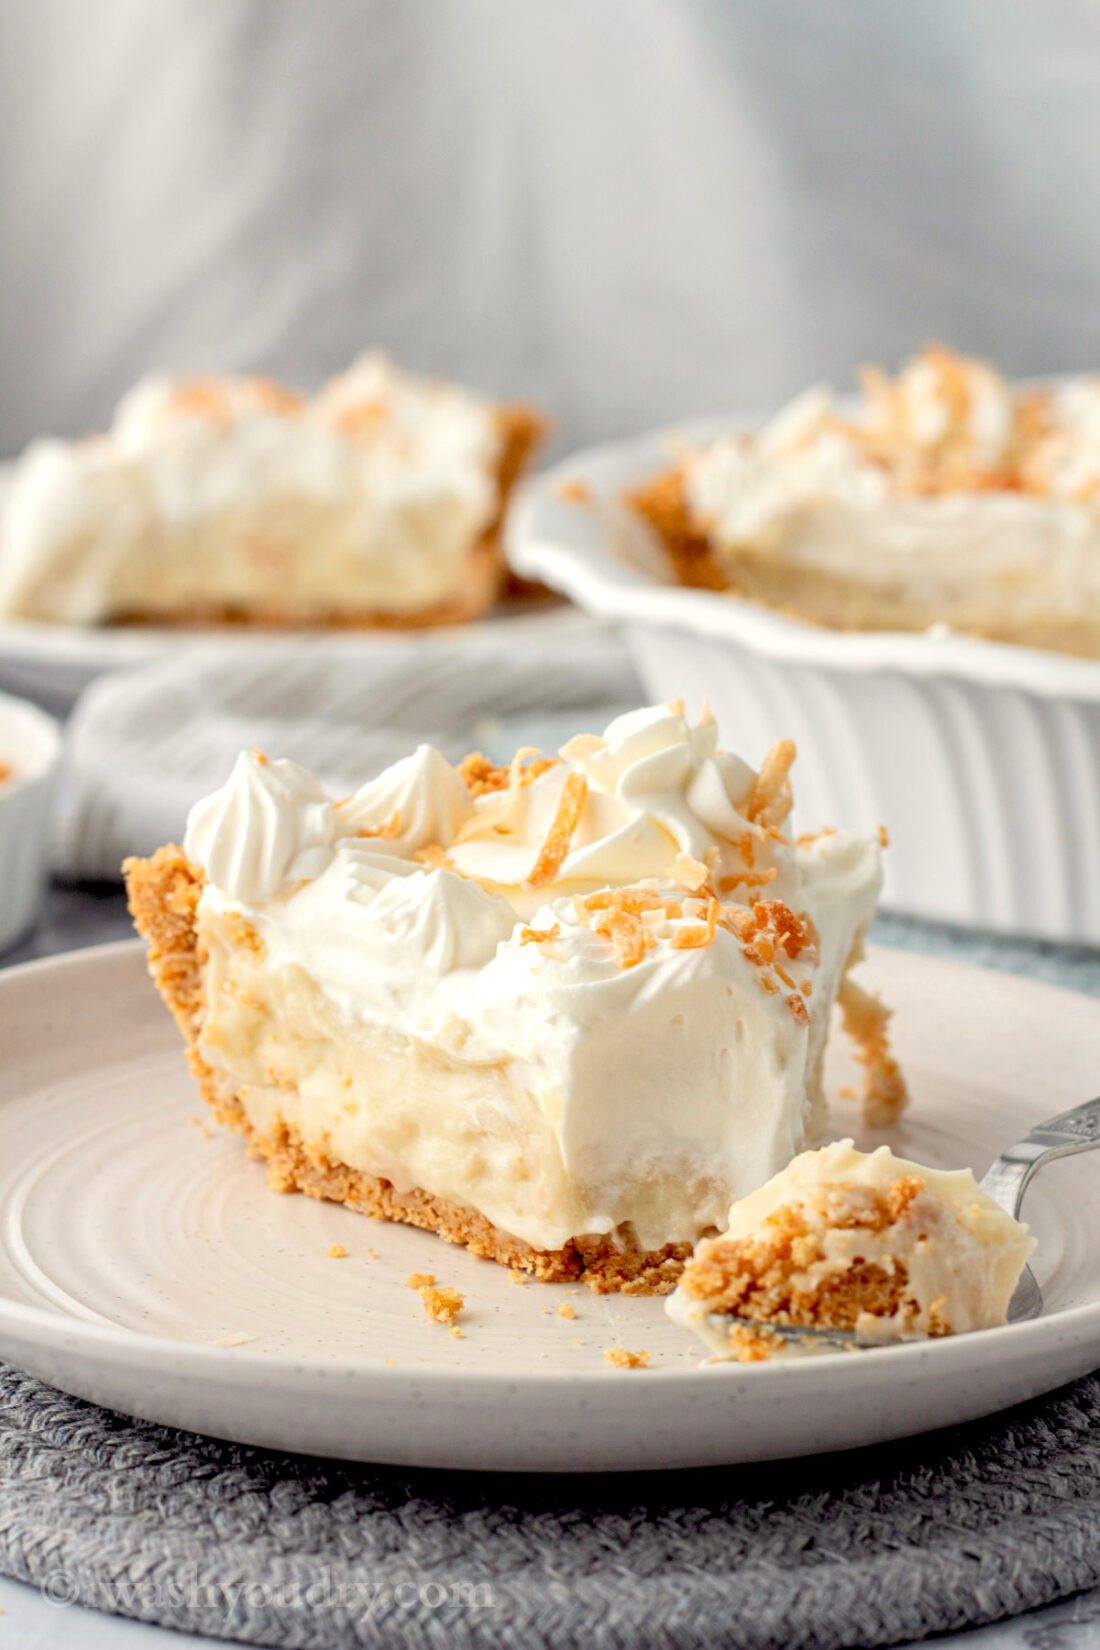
<point x="629" y="210"/>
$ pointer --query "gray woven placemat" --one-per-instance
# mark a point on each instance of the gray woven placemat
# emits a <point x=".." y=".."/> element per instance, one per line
<point x="871" y="1548"/>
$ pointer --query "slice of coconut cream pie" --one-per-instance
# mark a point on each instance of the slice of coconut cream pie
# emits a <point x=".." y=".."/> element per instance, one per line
<point x="377" y="501"/>
<point x="563" y="1013"/>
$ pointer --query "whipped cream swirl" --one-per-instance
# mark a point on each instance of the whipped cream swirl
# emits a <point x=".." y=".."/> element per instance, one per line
<point x="269" y="827"/>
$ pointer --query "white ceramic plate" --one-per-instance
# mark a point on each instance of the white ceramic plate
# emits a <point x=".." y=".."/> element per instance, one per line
<point x="54" y="663"/>
<point x="144" y="1263"/>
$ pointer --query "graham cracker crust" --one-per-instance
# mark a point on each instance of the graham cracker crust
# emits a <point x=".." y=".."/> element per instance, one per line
<point x="757" y="1278"/>
<point x="521" y="429"/>
<point x="663" y="503"/>
<point x="164" y="893"/>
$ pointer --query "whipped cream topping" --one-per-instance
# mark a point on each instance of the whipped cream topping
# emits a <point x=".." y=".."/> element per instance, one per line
<point x="1065" y="461"/>
<point x="743" y="490"/>
<point x="394" y="478"/>
<point x="660" y="802"/>
<point x="269" y="827"/>
<point x="940" y="398"/>
<point x="945" y="427"/>
<point x="625" y="931"/>
<point x="956" y="1253"/>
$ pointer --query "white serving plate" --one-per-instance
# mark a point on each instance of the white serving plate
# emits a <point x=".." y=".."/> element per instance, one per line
<point x="134" y="1248"/>
<point x="53" y="663"/>
<point x="982" y="759"/>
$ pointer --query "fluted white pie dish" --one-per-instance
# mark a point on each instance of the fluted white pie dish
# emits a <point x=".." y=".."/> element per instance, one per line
<point x="981" y="758"/>
<point x="30" y="750"/>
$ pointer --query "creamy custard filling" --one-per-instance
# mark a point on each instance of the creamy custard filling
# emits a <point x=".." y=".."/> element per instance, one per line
<point x="586" y="995"/>
<point x="380" y="1100"/>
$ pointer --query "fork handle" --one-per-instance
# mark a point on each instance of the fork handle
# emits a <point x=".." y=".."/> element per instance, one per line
<point x="1007" y="1179"/>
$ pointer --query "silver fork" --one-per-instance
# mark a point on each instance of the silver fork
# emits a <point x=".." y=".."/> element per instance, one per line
<point x="1006" y="1181"/>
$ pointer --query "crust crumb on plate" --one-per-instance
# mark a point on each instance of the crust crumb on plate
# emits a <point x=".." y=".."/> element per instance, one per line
<point x="620" y="1358"/>
<point x="866" y="1019"/>
<point x="441" y="1303"/>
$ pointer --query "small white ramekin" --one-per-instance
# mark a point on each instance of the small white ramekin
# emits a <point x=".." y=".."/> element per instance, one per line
<point x="30" y="745"/>
<point x="982" y="759"/>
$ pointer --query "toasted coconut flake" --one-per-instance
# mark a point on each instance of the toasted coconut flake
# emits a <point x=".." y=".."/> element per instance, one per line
<point x="434" y="857"/>
<point x="627" y="934"/>
<point x="738" y="921"/>
<point x="361" y="419"/>
<point x="392" y="828"/>
<point x="771" y="930"/>
<point x="689" y="874"/>
<point x="794" y="935"/>
<point x="799" y="1012"/>
<point x="700" y="934"/>
<point x="481" y="777"/>
<point x="769" y="799"/>
<point x="539" y="936"/>
<point x="519" y="769"/>
<point x="624" y="916"/>
<point x="583" y="745"/>
<point x="883" y="837"/>
<point x="276" y="397"/>
<point x="634" y="899"/>
<point x="748" y="879"/>
<point x="554" y="849"/>
<point x="202" y="398"/>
